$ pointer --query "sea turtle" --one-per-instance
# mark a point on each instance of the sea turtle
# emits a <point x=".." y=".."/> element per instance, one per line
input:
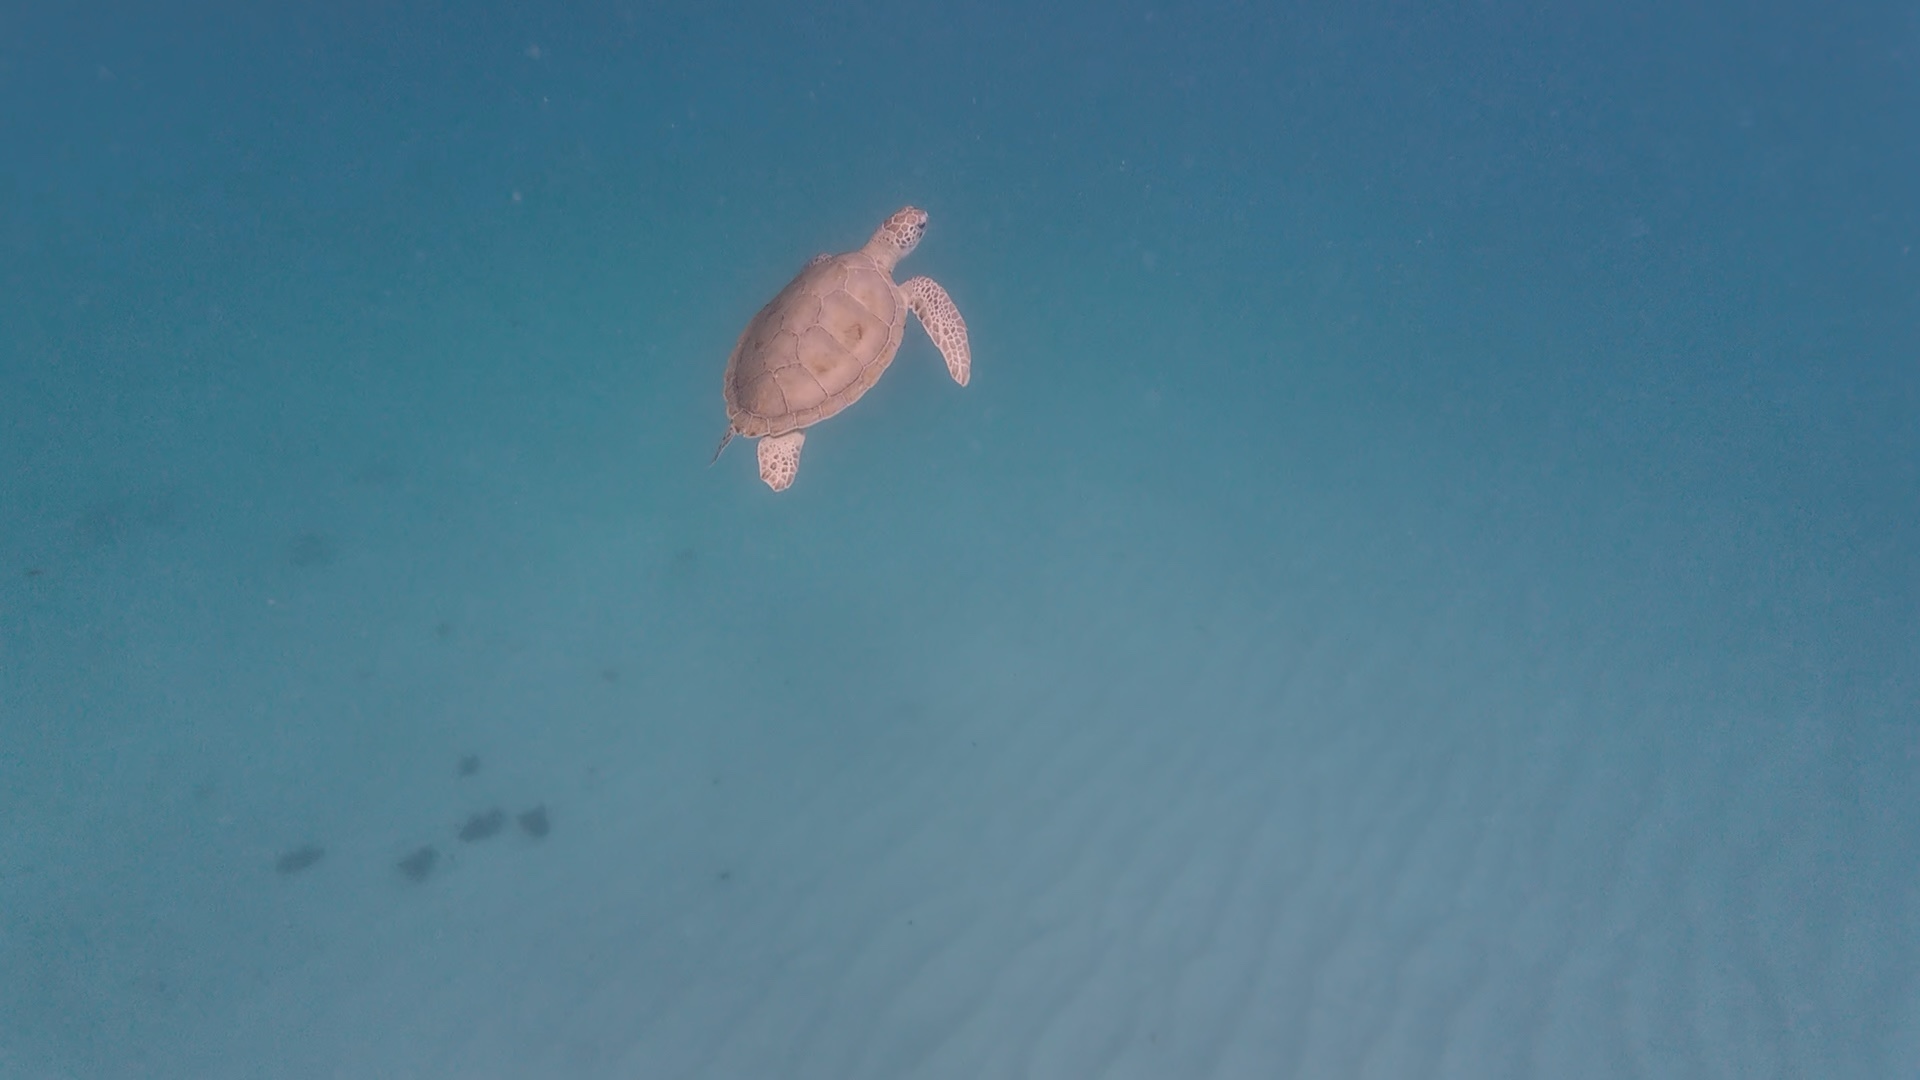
<point x="826" y="339"/>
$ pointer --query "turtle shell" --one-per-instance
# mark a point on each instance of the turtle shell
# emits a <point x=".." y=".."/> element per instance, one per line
<point x="816" y="347"/>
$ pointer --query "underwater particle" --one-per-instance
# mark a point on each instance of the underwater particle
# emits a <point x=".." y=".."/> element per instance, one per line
<point x="310" y="549"/>
<point x="469" y="764"/>
<point x="483" y="826"/>
<point x="299" y="859"/>
<point x="101" y="526"/>
<point x="534" y="822"/>
<point x="375" y="473"/>
<point x="34" y="571"/>
<point x="418" y="864"/>
<point x="685" y="562"/>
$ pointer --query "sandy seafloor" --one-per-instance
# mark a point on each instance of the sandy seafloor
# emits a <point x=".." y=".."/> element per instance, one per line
<point x="1320" y="643"/>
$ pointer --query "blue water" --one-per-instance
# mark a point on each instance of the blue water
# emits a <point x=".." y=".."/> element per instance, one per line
<point x="1424" y="580"/>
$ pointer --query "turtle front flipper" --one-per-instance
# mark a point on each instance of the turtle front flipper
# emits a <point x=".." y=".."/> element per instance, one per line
<point x="943" y="322"/>
<point x="780" y="459"/>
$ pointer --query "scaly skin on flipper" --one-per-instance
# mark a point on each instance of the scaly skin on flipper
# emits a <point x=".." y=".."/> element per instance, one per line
<point x="780" y="458"/>
<point x="944" y="325"/>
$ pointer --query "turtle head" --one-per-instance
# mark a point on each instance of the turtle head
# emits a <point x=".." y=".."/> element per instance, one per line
<point x="897" y="236"/>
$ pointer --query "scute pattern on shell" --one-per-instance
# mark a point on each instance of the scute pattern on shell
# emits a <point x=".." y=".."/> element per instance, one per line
<point x="816" y="347"/>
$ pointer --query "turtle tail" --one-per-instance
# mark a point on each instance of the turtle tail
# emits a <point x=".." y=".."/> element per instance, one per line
<point x="724" y="440"/>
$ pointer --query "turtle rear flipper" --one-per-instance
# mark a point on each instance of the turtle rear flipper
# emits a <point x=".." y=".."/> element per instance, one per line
<point x="780" y="459"/>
